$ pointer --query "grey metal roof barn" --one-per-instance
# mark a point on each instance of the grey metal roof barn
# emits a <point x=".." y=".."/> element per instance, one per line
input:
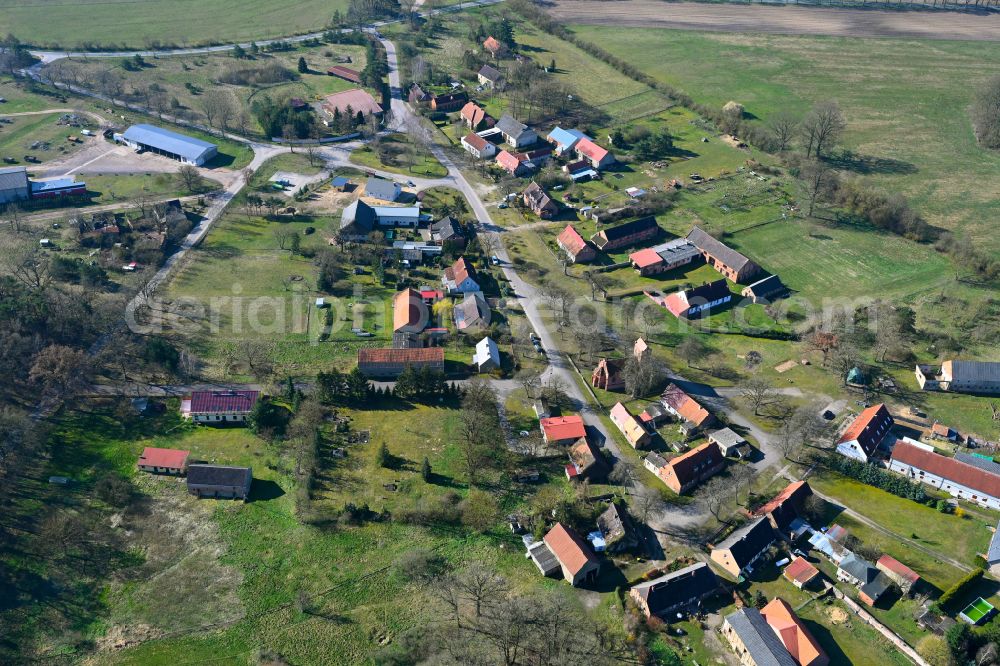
<point x="380" y="188"/>
<point x="173" y="144"/>
<point x="13" y="184"/>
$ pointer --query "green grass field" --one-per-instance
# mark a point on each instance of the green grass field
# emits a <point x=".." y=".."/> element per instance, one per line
<point x="40" y="137"/>
<point x="905" y="101"/>
<point x="407" y="158"/>
<point x="140" y="24"/>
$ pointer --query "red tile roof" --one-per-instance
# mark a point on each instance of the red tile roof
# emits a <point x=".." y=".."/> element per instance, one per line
<point x="591" y="150"/>
<point x="645" y="258"/>
<point x="951" y="469"/>
<point x="629" y="425"/>
<point x="800" y="571"/>
<point x="684" y="465"/>
<point x="169" y="458"/>
<point x="857" y="430"/>
<point x="571" y="240"/>
<point x="476" y="141"/>
<point x="406" y="309"/>
<point x="492" y="45"/>
<point x="459" y="271"/>
<point x="419" y="355"/>
<point x="509" y="161"/>
<point x="569" y="549"/>
<point x="345" y="73"/>
<point x="794" y="635"/>
<point x="211" y="402"/>
<point x="689" y="409"/>
<point x="563" y="427"/>
<point x="473" y="113"/>
<point x="790" y="491"/>
<point x="898" y="568"/>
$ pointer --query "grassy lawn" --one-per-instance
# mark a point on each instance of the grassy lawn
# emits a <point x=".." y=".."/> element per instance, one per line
<point x="960" y="538"/>
<point x="399" y="154"/>
<point x="142" y="25"/>
<point x="38" y="136"/>
<point x="912" y="88"/>
<point x="222" y="577"/>
<point x="20" y="100"/>
<point x="123" y="188"/>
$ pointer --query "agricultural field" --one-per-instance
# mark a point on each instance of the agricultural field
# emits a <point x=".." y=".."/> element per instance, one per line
<point x="905" y="101"/>
<point x="140" y="25"/>
<point x="189" y="79"/>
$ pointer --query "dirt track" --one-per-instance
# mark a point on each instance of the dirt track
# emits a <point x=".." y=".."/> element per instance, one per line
<point x="789" y="20"/>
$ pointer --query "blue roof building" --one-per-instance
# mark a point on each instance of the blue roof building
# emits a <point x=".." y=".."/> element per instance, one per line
<point x="174" y="145"/>
<point x="565" y="140"/>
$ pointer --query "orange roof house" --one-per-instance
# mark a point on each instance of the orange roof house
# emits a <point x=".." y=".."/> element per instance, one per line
<point x="493" y="45"/>
<point x="629" y="426"/>
<point x="863" y="437"/>
<point x="577" y="561"/>
<point x="163" y="461"/>
<point x="686" y="408"/>
<point x="562" y="429"/>
<point x="800" y="572"/>
<point x="684" y="472"/>
<point x="408" y="312"/>
<point x="512" y="163"/>
<point x="473" y="115"/>
<point x="577" y="249"/>
<point x="785" y="506"/>
<point x="900" y="574"/>
<point x="595" y="155"/>
<point x="794" y="635"/>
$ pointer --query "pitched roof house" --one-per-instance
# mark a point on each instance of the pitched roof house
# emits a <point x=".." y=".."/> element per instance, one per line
<point x="418" y="95"/>
<point x="624" y="235"/>
<point x="449" y="101"/>
<point x="608" y="374"/>
<point x="447" y="230"/>
<point x="753" y="640"/>
<point x="478" y="147"/>
<point x="697" y="301"/>
<point x="585" y="461"/>
<point x="871" y="582"/>
<point x="730" y="442"/>
<point x="956" y="476"/>
<point x="515" y="133"/>
<point x="765" y="290"/>
<point x="800" y="572"/>
<point x="513" y="163"/>
<point x="489" y="76"/>
<point x="460" y="277"/>
<point x="163" y="461"/>
<point x="562" y="429"/>
<point x="539" y="202"/>
<point x="578" y="563"/>
<point x="740" y="550"/>
<point x="596" y="156"/>
<point x="390" y="363"/>
<point x="565" y="140"/>
<point x="219" y="481"/>
<point x="898" y="572"/>
<point x="992" y="555"/>
<point x="633" y="430"/>
<point x="409" y="314"/>
<point x="723" y="258"/>
<point x="494" y="47"/>
<point x="862" y="438"/>
<point x="617" y="528"/>
<point x="472" y="312"/>
<point x="683" y="406"/>
<point x="794" y="635"/>
<point x="676" y="590"/>
<point x="577" y="250"/>
<point x="684" y="472"/>
<point x="664" y="257"/>
<point x="219" y="406"/>
<point x="785" y="506"/>
<point x="473" y="115"/>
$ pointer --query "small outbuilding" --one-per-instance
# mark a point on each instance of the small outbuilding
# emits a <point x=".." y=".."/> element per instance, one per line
<point x="163" y="461"/>
<point x="219" y="481"/>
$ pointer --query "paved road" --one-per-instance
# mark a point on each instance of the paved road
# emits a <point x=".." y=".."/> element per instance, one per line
<point x="788" y="20"/>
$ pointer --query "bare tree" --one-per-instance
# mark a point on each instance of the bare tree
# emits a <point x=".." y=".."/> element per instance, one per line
<point x="645" y="502"/>
<point x="13" y="215"/>
<point x="216" y="105"/>
<point x="758" y="392"/>
<point x="642" y="374"/>
<point x="691" y="350"/>
<point x="822" y="128"/>
<point x="282" y="235"/>
<point x="715" y="496"/>
<point x="530" y="381"/>
<point x="819" y="180"/>
<point x="480" y="584"/>
<point x="783" y="127"/>
<point x="257" y="356"/>
<point x="190" y="178"/>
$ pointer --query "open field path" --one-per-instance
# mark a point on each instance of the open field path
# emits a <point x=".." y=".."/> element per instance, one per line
<point x="787" y="20"/>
